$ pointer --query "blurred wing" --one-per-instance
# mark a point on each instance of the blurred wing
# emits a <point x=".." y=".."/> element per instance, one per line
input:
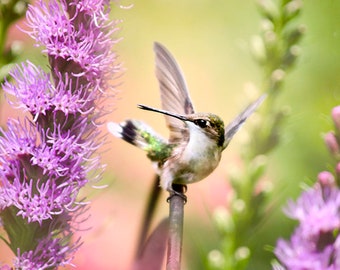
<point x="235" y="125"/>
<point x="174" y="93"/>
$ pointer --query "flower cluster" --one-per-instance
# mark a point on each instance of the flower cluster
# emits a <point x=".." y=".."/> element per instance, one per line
<point x="315" y="243"/>
<point x="45" y="160"/>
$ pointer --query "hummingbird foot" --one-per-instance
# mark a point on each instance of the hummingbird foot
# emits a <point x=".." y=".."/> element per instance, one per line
<point x="178" y="190"/>
<point x="176" y="193"/>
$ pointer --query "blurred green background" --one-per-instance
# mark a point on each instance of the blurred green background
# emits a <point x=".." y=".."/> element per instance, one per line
<point x="210" y="40"/>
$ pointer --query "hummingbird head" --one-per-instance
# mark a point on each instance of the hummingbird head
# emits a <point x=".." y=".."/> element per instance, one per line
<point x="207" y="123"/>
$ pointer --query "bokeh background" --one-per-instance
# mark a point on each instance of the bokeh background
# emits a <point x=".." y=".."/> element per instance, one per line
<point x="211" y="41"/>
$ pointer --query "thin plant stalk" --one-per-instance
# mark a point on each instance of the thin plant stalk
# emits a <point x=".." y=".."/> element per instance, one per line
<point x="176" y="220"/>
<point x="148" y="216"/>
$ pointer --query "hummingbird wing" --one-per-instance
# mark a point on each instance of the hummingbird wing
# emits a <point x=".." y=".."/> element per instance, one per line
<point x="235" y="125"/>
<point x="174" y="93"/>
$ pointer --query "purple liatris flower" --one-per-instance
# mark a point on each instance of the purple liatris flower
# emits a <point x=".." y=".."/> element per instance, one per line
<point x="315" y="243"/>
<point x="47" y="158"/>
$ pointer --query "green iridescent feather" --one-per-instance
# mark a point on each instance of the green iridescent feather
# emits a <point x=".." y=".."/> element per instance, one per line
<point x="157" y="149"/>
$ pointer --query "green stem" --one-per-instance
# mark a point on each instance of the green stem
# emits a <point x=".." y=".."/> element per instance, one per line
<point x="3" y="36"/>
<point x="176" y="216"/>
<point x="153" y="198"/>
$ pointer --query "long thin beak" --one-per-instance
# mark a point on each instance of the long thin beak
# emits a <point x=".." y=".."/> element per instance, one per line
<point x="178" y="116"/>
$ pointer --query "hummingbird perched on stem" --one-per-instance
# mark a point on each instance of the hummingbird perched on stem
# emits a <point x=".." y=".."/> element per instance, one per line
<point x="196" y="140"/>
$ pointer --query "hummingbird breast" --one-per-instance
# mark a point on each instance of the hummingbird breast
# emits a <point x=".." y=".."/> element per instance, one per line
<point x="191" y="161"/>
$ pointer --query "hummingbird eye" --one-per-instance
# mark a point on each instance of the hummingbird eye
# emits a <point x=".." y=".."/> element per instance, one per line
<point x="201" y="123"/>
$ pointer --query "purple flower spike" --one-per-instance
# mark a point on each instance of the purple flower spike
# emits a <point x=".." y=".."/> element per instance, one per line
<point x="46" y="160"/>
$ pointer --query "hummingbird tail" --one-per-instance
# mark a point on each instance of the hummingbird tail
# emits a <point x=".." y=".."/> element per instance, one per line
<point x="141" y="135"/>
<point x="129" y="131"/>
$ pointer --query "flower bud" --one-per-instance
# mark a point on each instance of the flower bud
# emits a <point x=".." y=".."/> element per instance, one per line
<point x="258" y="49"/>
<point x="293" y="8"/>
<point x="326" y="179"/>
<point x="269" y="9"/>
<point x="336" y="117"/>
<point x="223" y="220"/>
<point x="332" y="143"/>
<point x="337" y="170"/>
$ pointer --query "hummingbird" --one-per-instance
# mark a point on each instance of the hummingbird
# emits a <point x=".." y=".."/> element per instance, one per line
<point x="196" y="140"/>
